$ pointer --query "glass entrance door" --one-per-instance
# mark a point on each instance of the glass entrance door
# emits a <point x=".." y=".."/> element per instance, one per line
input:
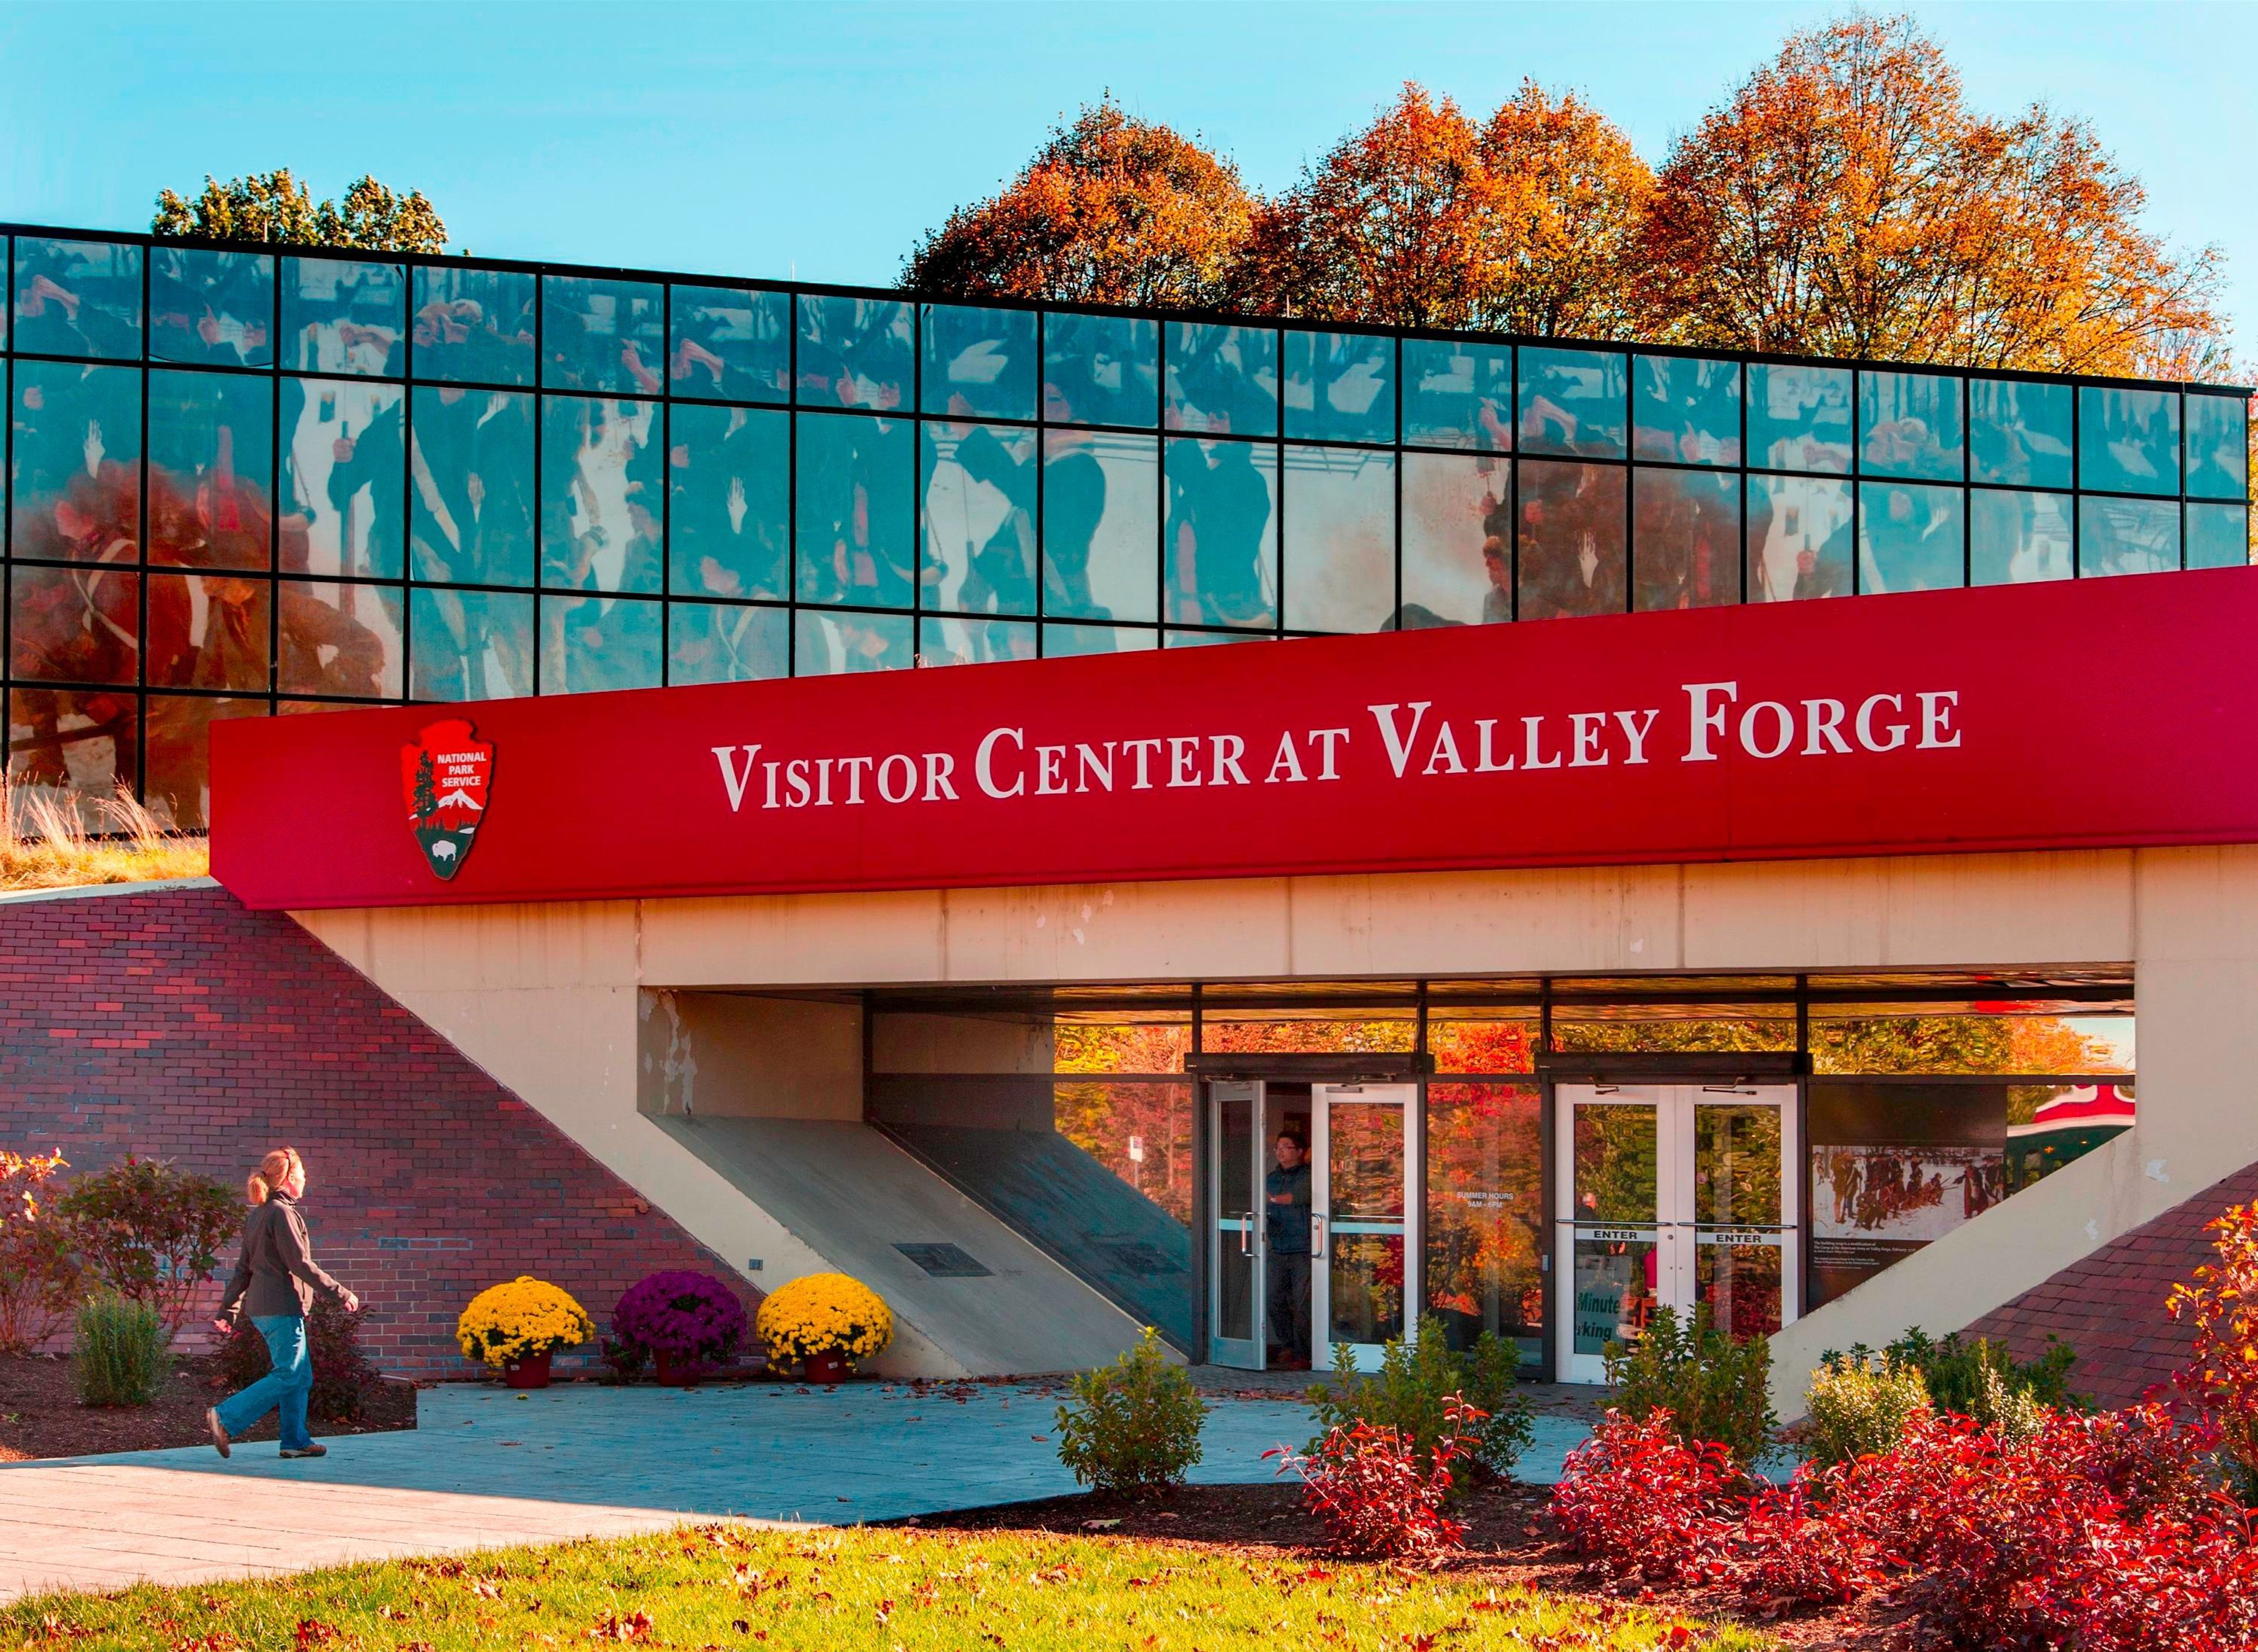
<point x="1674" y="1196"/>
<point x="1234" y="1286"/>
<point x="1365" y="1227"/>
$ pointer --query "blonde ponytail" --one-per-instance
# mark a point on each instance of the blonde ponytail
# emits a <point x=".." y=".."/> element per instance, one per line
<point x="273" y="1172"/>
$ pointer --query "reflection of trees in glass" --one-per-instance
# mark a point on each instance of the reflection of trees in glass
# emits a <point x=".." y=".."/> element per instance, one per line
<point x="1142" y="1132"/>
<point x="1650" y="1031"/>
<point x="1485" y="1189"/>
<point x="1616" y="1168"/>
<point x="1736" y="1164"/>
<point x="1120" y="1046"/>
<point x="1957" y="1044"/>
<point x="1316" y="1033"/>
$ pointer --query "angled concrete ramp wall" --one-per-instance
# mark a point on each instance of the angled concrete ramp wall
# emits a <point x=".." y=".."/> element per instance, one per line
<point x="851" y="1196"/>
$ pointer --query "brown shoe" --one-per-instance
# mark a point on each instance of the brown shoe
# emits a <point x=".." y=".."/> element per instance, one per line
<point x="218" y="1433"/>
<point x="315" y="1450"/>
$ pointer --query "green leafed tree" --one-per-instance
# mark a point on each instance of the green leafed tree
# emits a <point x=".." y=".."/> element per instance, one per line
<point x="275" y="208"/>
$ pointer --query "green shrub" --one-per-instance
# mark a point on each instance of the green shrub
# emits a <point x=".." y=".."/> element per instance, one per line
<point x="343" y="1374"/>
<point x="1975" y="1378"/>
<point x="1712" y="1388"/>
<point x="123" y="1351"/>
<point x="1412" y="1390"/>
<point x="1856" y="1407"/>
<point x="1135" y="1427"/>
<point x="150" y="1232"/>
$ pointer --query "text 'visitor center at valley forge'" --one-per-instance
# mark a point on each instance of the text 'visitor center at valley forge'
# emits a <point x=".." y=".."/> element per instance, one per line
<point x="1725" y="947"/>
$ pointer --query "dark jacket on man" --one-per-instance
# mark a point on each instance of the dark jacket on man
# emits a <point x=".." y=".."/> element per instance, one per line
<point x="276" y="1274"/>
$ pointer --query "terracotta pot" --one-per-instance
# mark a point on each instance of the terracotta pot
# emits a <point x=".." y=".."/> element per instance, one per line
<point x="532" y="1371"/>
<point x="825" y="1368"/>
<point x="679" y="1371"/>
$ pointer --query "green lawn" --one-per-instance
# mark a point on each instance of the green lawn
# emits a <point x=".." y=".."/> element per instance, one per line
<point x="824" y="1590"/>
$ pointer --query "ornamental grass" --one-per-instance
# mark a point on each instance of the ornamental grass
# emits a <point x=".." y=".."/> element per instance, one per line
<point x="51" y="840"/>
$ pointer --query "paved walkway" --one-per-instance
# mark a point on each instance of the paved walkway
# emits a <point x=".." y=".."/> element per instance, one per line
<point x="487" y="1468"/>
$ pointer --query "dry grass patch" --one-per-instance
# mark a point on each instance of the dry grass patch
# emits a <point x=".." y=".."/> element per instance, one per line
<point x="50" y="839"/>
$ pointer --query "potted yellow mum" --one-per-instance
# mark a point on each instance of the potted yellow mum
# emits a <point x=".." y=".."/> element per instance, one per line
<point x="824" y="1322"/>
<point x="514" y="1329"/>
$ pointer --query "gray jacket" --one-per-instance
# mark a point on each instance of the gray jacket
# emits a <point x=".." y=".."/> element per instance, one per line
<point x="276" y="1274"/>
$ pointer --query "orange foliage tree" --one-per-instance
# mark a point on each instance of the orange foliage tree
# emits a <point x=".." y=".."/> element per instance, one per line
<point x="1425" y="219"/>
<point x="1111" y="211"/>
<point x="1846" y="202"/>
<point x="2220" y="1303"/>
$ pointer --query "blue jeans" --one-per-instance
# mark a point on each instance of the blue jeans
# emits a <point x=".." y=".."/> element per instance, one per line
<point x="282" y="1389"/>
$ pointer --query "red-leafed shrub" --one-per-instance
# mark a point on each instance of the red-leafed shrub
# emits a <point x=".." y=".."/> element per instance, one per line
<point x="1365" y="1483"/>
<point x="1792" y="1548"/>
<point x="2187" y="1581"/>
<point x="1639" y="1504"/>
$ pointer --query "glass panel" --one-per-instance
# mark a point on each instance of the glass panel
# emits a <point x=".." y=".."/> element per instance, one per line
<point x="77" y="462"/>
<point x="471" y="494"/>
<point x="341" y="638"/>
<point x="345" y="316"/>
<point x="2218" y="447"/>
<point x="2218" y="536"/>
<point x="1305" y="1031"/>
<point x="1222" y="534"/>
<point x="1485" y="1221"/>
<point x="74" y="624"/>
<point x="1909" y="425"/>
<point x="1943" y="1038"/>
<point x="602" y="335"/>
<point x="1572" y="539"/>
<point x="589" y="644"/>
<point x="1910" y="537"/>
<point x="1616" y="1172"/>
<point x="2019" y="431"/>
<point x="2016" y="539"/>
<point x="1340" y="386"/>
<point x="179" y="781"/>
<point x="853" y="480"/>
<point x="78" y="298"/>
<point x="1737" y="1277"/>
<point x="1223" y="379"/>
<point x="474" y="324"/>
<point x="728" y="524"/>
<point x="1340" y="539"/>
<point x="1673" y="1027"/>
<point x="71" y="748"/>
<point x="855" y="352"/>
<point x="1069" y="640"/>
<point x="1736" y="1165"/>
<point x="1687" y="410"/>
<point x="829" y="644"/>
<point x="1572" y="402"/>
<point x="2127" y="536"/>
<point x="207" y="631"/>
<point x="978" y="486"/>
<point x="1365" y="1170"/>
<point x="719" y="642"/>
<point x="214" y="307"/>
<point x="1894" y="1167"/>
<point x="1234" y="1210"/>
<point x="1469" y="1041"/>
<point x="974" y="641"/>
<point x="979" y="364"/>
<point x="211" y="468"/>
<point x="1799" y="417"/>
<point x="344" y="459"/>
<point x="1101" y="526"/>
<point x="1140" y="1132"/>
<point x="1101" y="370"/>
<point x="731" y="344"/>
<point x="1614" y="1279"/>
<point x="472" y="645"/>
<point x="1457" y="540"/>
<point x="1799" y="539"/>
<point x="1458" y="395"/>
<point x="1685" y="539"/>
<point x="600" y="481"/>
<point x="2051" y="1125"/>
<point x="2128" y="441"/>
<point x="1209" y="639"/>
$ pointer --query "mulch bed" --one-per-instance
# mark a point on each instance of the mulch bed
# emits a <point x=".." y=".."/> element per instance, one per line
<point x="1510" y="1538"/>
<point x="40" y="1415"/>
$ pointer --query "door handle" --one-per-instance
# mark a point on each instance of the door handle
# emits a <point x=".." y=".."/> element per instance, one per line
<point x="1316" y="1234"/>
<point x="1246" y="1235"/>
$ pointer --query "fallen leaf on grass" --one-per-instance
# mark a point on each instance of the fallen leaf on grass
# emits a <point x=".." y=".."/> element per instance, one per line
<point x="612" y="1626"/>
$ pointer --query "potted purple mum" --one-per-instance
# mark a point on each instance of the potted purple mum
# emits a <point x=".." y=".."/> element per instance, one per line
<point x="686" y="1321"/>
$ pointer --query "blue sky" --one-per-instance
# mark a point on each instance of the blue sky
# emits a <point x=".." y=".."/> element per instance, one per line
<point x="821" y="140"/>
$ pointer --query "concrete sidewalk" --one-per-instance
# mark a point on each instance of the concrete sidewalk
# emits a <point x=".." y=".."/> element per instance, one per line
<point x="487" y="1468"/>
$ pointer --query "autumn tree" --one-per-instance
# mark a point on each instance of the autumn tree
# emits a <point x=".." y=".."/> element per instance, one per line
<point x="1111" y="211"/>
<point x="275" y="208"/>
<point x="1846" y="202"/>
<point x="1426" y="219"/>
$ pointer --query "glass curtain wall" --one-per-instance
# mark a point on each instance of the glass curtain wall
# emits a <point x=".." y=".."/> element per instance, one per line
<point x="244" y="483"/>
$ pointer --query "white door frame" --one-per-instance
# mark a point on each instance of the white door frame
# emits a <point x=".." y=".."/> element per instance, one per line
<point x="1240" y="1236"/>
<point x="1323" y="1099"/>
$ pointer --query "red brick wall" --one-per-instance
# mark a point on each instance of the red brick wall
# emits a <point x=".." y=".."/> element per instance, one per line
<point x="176" y="1024"/>
<point x="2111" y="1306"/>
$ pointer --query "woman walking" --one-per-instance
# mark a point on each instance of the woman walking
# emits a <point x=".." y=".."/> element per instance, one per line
<point x="274" y="1282"/>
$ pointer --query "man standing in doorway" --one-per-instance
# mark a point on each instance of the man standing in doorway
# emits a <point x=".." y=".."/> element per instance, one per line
<point x="1287" y="1224"/>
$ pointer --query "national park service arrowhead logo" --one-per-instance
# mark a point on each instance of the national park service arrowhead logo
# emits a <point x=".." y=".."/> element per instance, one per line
<point x="447" y="772"/>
